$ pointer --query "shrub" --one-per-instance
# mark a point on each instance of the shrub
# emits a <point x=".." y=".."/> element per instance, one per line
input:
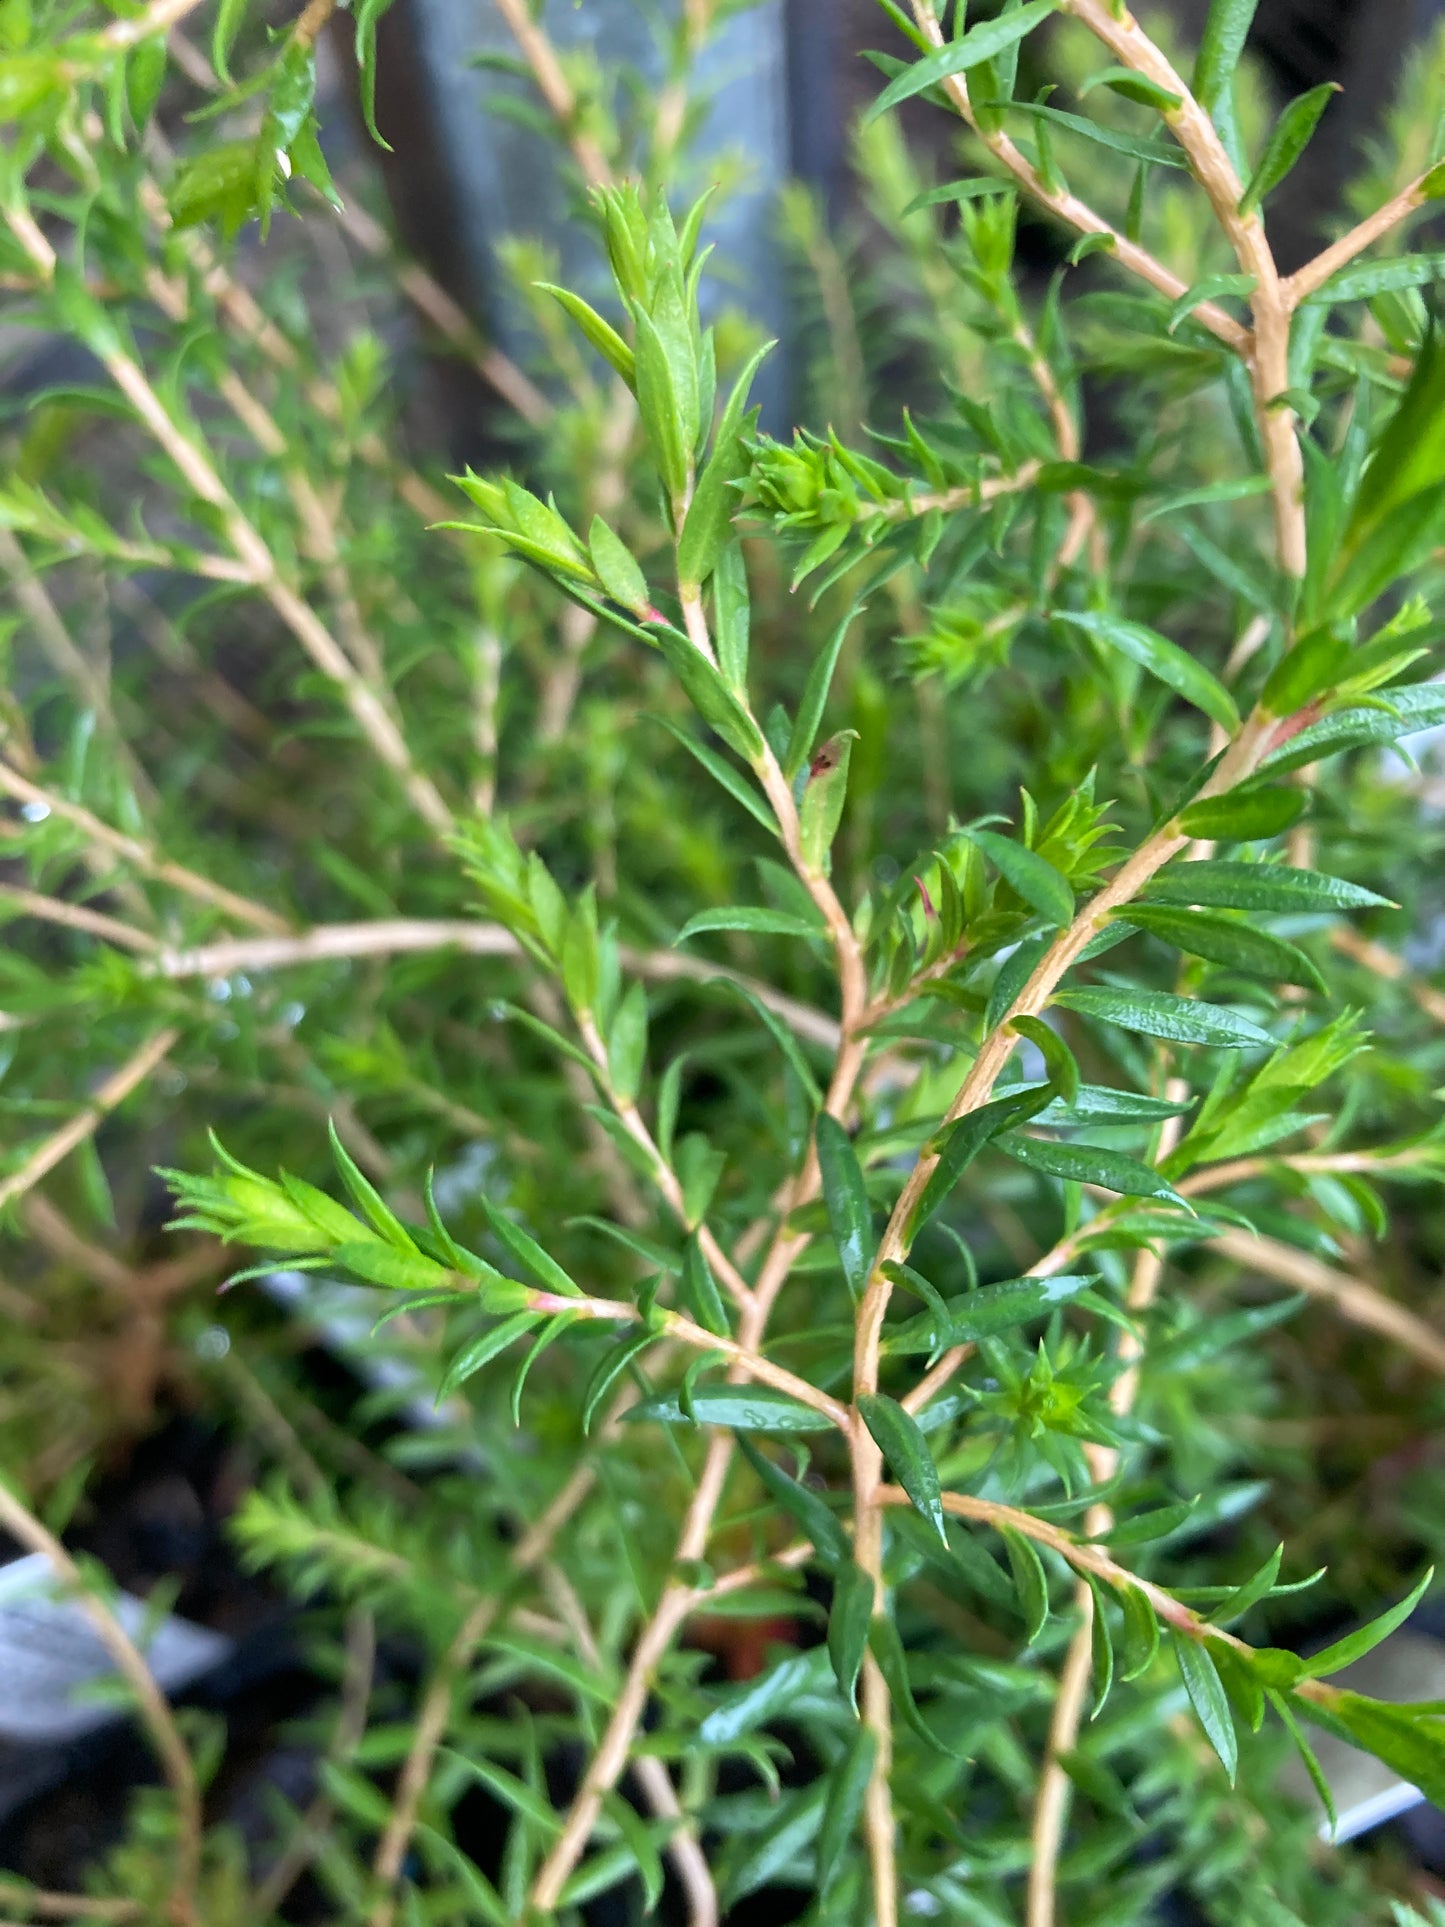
<point x="836" y="966"/>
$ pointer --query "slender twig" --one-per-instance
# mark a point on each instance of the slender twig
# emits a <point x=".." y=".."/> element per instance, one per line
<point x="114" y="1091"/>
<point x="192" y="460"/>
<point x="393" y="936"/>
<point x="142" y="855"/>
<point x="1305" y="281"/>
<point x="1051" y="1801"/>
<point x="159" y="17"/>
<point x="945" y="501"/>
<point x="1067" y="207"/>
<point x="677" y="1600"/>
<point x="1268" y="355"/>
<point x="555" y="88"/>
<point x="160" y="1724"/>
<point x="1355" y="1300"/>
<point x="76" y="916"/>
<point x="36" y="1904"/>
<point x="1374" y="956"/>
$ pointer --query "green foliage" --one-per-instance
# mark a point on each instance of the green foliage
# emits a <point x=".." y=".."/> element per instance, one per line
<point x="878" y="1121"/>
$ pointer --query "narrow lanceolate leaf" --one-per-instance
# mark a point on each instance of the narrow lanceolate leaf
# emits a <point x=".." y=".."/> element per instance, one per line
<point x="814" y="698"/>
<point x="850" y="1217"/>
<point x="1223" y="885"/>
<point x="847" y="1784"/>
<point x="602" y="335"/>
<point x="807" y="1507"/>
<point x="848" y="1621"/>
<point x="1162" y="659"/>
<point x="739" y="1408"/>
<point x="965" y="1139"/>
<point x="1089" y="1164"/>
<point x="1355" y="1645"/>
<point x="1220" y="46"/>
<point x="1029" y="875"/>
<point x="763" y="1698"/>
<point x="1244" y="816"/>
<point x="987" y="1312"/>
<point x="977" y="45"/>
<point x="1224" y="940"/>
<point x="1306" y="1752"/>
<point x="1029" y="1580"/>
<point x="904" y="1446"/>
<point x="1158" y="1013"/>
<point x="1288" y="140"/>
<point x="756" y="921"/>
<point x="1208" y="1698"/>
<point x="525" y="1249"/>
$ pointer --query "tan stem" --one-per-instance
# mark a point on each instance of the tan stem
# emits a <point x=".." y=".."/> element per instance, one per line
<point x="1313" y="275"/>
<point x="1067" y="207"/>
<point x="142" y="855"/>
<point x="113" y="1092"/>
<point x="555" y="88"/>
<point x="1051" y="1803"/>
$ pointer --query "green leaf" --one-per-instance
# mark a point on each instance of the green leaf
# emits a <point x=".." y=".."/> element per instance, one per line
<point x="1288" y="139"/>
<point x="759" y="1700"/>
<point x="610" y="1367"/>
<point x="849" y="1618"/>
<point x="507" y="1787"/>
<point x="1240" y="1599"/>
<point x="483" y="1350"/>
<point x="1089" y="1164"/>
<point x="378" y="1264"/>
<point x="602" y="335"/>
<point x="824" y="794"/>
<point x="1273" y="887"/>
<point x="739" y="1408"/>
<point x="904" y="1446"/>
<point x="1344" y="1652"/>
<point x="847" y="1784"/>
<point x="1095" y="1101"/>
<point x="815" y="698"/>
<point x="977" y="45"/>
<point x="700" y="1289"/>
<point x="786" y="1042"/>
<point x="806" y="1507"/>
<point x="708" y="693"/>
<point x="778" y="1846"/>
<point x="1210" y="288"/>
<point x="1220" y="46"/>
<point x="1101" y="1645"/>
<point x="1131" y="86"/>
<point x="715" y="501"/>
<point x="1060" y="1064"/>
<point x="1408" y="1738"/>
<point x="756" y="921"/>
<point x="1209" y="1700"/>
<point x="1306" y="1752"/>
<point x="661" y="406"/>
<point x="850" y="1216"/>
<point x="987" y="1312"/>
<point x="1243" y="816"/>
<point x="1161" y="658"/>
<point x="1222" y="940"/>
<point x="617" y="569"/>
<point x="1141" y="1633"/>
<point x="965" y="1139"/>
<point x="723" y="774"/>
<point x="1153" y="153"/>
<point x="368" y="15"/>
<point x="887" y="1649"/>
<point x="1363" y="280"/>
<point x="637" y="1837"/>
<point x="528" y="1253"/>
<point x="731" y="616"/>
<point x="1029" y="875"/>
<point x="627" y="1044"/>
<point x="365" y="1195"/>
<point x="1158" y="1013"/>
<point x="1029" y="1581"/>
